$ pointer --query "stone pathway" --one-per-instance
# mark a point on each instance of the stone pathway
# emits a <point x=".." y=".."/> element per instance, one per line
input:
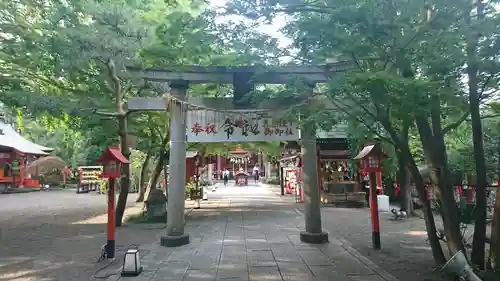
<point x="236" y="239"/>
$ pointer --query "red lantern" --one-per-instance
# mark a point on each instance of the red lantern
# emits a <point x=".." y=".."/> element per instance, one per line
<point x="112" y="159"/>
<point x="370" y="159"/>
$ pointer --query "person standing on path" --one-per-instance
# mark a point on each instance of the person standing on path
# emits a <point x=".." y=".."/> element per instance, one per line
<point x="255" y="173"/>
<point x="225" y="176"/>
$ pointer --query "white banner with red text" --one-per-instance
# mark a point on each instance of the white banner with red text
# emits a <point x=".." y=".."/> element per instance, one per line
<point x="237" y="126"/>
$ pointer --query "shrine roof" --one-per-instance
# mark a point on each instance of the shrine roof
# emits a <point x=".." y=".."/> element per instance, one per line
<point x="110" y="153"/>
<point x="115" y="151"/>
<point x="12" y="139"/>
<point x="364" y="152"/>
<point x="368" y="150"/>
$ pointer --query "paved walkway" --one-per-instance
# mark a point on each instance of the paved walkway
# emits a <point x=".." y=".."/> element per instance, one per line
<point x="247" y="234"/>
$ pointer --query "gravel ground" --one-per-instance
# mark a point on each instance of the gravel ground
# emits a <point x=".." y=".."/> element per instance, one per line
<point x="57" y="235"/>
<point x="405" y="252"/>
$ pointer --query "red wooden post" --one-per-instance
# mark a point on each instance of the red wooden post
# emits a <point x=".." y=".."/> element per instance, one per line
<point x="64" y="177"/>
<point x="112" y="159"/>
<point x="110" y="245"/>
<point x="370" y="161"/>
<point x="21" y="170"/>
<point x="374" y="212"/>
<point x="470" y="193"/>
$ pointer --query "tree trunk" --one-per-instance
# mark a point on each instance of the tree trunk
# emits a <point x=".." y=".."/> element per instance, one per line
<point x="494" y="257"/>
<point x="156" y="172"/>
<point x="153" y="180"/>
<point x="430" y="225"/>
<point x="121" y="116"/>
<point x="403" y="180"/>
<point x="125" y="179"/>
<point x="142" y="177"/>
<point x="435" y="153"/>
<point x="478" y="251"/>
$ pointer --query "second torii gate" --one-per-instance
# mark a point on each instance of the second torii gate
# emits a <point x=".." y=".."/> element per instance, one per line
<point x="243" y="80"/>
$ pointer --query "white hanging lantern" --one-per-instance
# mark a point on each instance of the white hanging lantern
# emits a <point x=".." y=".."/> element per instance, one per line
<point x="132" y="263"/>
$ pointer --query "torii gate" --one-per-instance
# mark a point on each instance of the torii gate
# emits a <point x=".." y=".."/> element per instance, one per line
<point x="243" y="80"/>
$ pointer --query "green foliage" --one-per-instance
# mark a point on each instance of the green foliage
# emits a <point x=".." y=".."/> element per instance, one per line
<point x="54" y="61"/>
<point x="404" y="66"/>
<point x="190" y="189"/>
<point x="103" y="187"/>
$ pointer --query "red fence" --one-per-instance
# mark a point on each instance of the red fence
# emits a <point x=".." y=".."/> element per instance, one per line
<point x="470" y="192"/>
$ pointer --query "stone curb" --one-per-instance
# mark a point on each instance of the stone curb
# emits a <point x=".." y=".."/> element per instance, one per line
<point x="347" y="246"/>
<point x="22" y="190"/>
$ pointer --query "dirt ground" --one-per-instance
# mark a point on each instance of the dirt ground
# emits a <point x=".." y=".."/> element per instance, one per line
<point x="405" y="252"/>
<point x="58" y="235"/>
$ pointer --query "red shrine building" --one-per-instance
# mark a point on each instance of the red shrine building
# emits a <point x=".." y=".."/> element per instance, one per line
<point x="237" y="159"/>
<point x="16" y="153"/>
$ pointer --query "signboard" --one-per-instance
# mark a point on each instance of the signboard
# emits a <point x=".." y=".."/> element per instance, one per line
<point x="237" y="126"/>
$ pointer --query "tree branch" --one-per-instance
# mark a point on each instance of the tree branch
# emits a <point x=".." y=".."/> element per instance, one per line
<point x="360" y="120"/>
<point x="108" y="114"/>
<point x="356" y="62"/>
<point x="490" y="116"/>
<point x="116" y="86"/>
<point x="483" y="87"/>
<point x="455" y="124"/>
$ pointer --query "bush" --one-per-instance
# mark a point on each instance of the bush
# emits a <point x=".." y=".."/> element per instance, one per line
<point x="103" y="186"/>
<point x="190" y="188"/>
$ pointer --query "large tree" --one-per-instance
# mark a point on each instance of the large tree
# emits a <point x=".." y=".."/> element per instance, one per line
<point x="70" y="58"/>
<point x="408" y="63"/>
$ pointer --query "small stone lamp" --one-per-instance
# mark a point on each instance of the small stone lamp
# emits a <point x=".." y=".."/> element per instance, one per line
<point x="132" y="263"/>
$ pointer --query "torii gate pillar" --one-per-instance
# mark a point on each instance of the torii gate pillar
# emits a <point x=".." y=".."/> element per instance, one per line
<point x="175" y="235"/>
<point x="314" y="231"/>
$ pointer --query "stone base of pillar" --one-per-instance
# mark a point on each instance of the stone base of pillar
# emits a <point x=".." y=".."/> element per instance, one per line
<point x="314" y="238"/>
<point x="174" y="241"/>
